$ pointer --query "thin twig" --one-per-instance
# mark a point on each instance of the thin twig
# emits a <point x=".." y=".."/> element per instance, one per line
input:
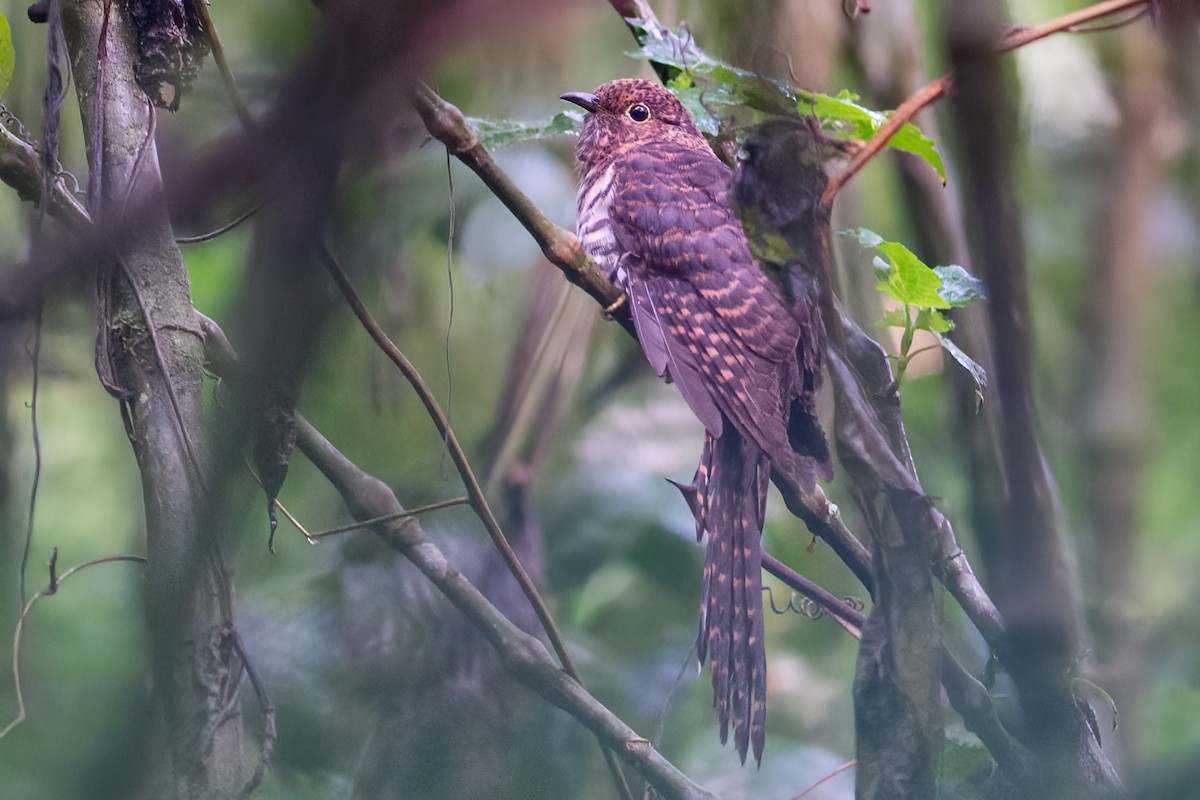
<point x="524" y="656"/>
<point x="830" y="776"/>
<point x="270" y="734"/>
<point x="1023" y="36"/>
<point x="51" y="588"/>
<point x="218" y="52"/>
<point x="292" y="519"/>
<point x="478" y="501"/>
<point x="447" y="124"/>
<point x="221" y="231"/>
<point x="937" y="88"/>
<point x="1111" y="26"/>
<point x="927" y="94"/>
<point x="474" y="492"/>
<point x="161" y="358"/>
<point x="368" y="523"/>
<point x="143" y="307"/>
<point x="35" y="360"/>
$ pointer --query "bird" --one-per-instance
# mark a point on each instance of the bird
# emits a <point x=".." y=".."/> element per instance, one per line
<point x="655" y="215"/>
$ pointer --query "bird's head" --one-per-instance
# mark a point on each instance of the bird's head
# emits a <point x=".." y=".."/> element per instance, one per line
<point x="626" y="114"/>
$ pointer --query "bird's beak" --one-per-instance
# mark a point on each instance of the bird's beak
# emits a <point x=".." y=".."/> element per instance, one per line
<point x="585" y="100"/>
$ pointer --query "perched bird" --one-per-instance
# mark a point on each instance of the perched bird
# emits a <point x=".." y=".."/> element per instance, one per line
<point x="654" y="214"/>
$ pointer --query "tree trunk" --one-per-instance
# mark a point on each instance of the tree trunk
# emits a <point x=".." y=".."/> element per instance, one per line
<point x="155" y="353"/>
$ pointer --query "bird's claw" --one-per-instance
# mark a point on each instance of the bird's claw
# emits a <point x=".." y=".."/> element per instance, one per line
<point x="609" y="310"/>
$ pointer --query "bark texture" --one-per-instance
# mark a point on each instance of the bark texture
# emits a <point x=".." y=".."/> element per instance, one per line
<point x="188" y="597"/>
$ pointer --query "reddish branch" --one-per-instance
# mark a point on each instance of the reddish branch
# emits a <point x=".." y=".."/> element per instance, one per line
<point x="936" y="89"/>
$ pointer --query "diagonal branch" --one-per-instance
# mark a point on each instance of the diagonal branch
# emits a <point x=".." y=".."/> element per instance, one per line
<point x="523" y="655"/>
<point x="21" y="169"/>
<point x="478" y="500"/>
<point x="474" y="491"/>
<point x="560" y="246"/>
<point x="937" y="89"/>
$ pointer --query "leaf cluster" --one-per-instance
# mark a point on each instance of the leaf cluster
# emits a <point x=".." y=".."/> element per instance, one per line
<point x="922" y="293"/>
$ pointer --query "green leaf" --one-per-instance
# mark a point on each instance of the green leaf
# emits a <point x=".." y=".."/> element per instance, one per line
<point x="910" y="139"/>
<point x="978" y="374"/>
<point x="933" y="321"/>
<point x="498" y="133"/>
<point x="959" y="287"/>
<point x="693" y="100"/>
<point x="8" y="57"/>
<point x="841" y="115"/>
<point x="844" y="117"/>
<point x="909" y="280"/>
<point x="893" y="319"/>
<point x="670" y="48"/>
<point x="713" y="82"/>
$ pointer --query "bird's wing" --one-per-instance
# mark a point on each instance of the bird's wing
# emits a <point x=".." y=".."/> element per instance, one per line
<point x="666" y="353"/>
<point x="691" y="279"/>
<point x="671" y="209"/>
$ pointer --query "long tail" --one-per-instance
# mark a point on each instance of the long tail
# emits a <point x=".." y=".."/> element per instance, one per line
<point x="728" y="499"/>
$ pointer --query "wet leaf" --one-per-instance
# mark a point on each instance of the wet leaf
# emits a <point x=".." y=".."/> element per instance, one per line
<point x="978" y="374"/>
<point x="908" y="279"/>
<point x="498" y="133"/>
<point x="959" y="287"/>
<point x="842" y="115"/>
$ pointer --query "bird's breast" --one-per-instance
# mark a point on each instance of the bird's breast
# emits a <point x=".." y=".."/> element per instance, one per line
<point x="594" y="228"/>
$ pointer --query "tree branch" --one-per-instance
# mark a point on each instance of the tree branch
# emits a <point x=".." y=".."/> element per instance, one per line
<point x="560" y="246"/>
<point x="21" y="169"/>
<point x="523" y="655"/>
<point x="936" y="89"/>
<point x="478" y="500"/>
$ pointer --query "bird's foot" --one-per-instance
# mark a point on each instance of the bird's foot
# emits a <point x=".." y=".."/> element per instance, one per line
<point x="616" y="305"/>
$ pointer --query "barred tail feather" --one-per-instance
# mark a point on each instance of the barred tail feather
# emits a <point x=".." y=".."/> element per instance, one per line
<point x="731" y="625"/>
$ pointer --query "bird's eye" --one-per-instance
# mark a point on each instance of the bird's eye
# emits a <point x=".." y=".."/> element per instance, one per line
<point x="638" y="112"/>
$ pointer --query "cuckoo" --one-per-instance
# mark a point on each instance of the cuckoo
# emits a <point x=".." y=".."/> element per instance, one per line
<point x="654" y="214"/>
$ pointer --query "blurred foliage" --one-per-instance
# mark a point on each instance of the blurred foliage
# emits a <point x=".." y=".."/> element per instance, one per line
<point x="621" y="564"/>
<point x="8" y="58"/>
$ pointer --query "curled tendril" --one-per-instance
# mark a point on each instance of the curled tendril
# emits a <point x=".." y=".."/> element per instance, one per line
<point x="807" y="607"/>
<point x="795" y="605"/>
<point x="62" y="175"/>
<point x="11" y="121"/>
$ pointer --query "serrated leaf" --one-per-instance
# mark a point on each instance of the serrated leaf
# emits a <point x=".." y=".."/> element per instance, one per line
<point x="669" y="48"/>
<point x="933" y="321"/>
<point x="844" y="117"/>
<point x="8" y="57"/>
<point x="959" y="287"/>
<point x="910" y="139"/>
<point x="720" y="83"/>
<point x="841" y="115"/>
<point x="893" y="319"/>
<point x="909" y="280"/>
<point x="978" y="373"/>
<point x="498" y="133"/>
